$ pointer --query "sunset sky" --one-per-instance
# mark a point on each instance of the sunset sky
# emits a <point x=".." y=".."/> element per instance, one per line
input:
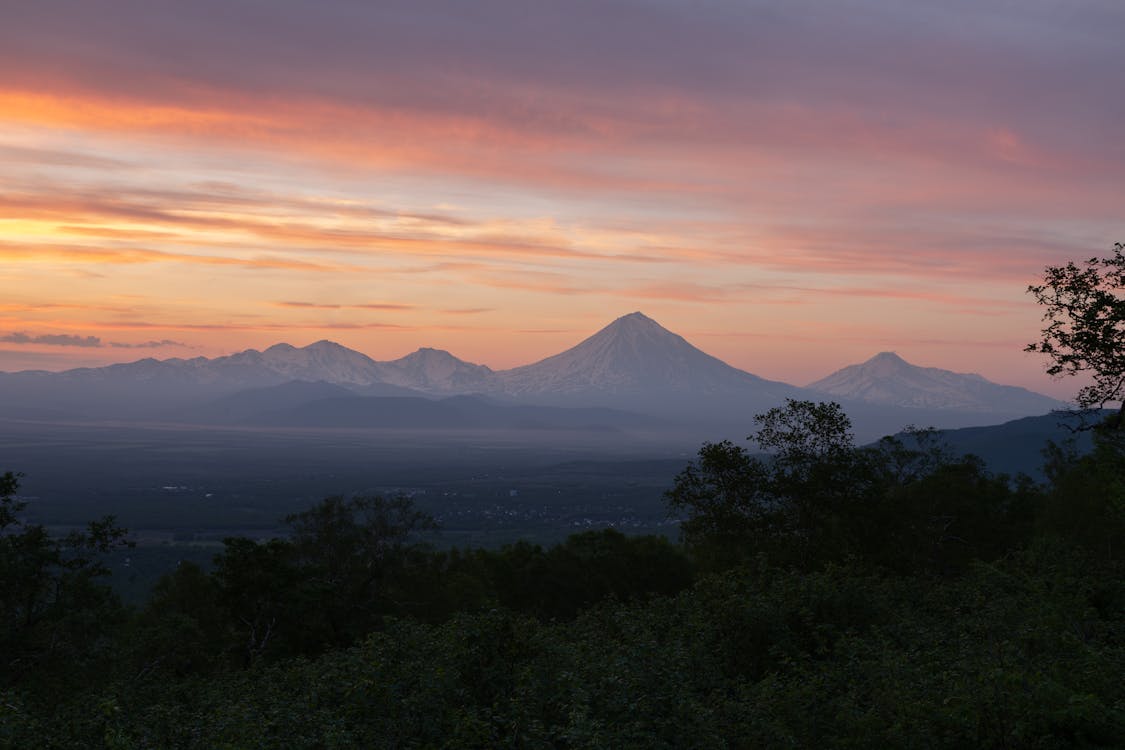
<point x="792" y="186"/>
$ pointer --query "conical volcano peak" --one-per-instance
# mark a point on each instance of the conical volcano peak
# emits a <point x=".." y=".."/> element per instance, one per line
<point x="636" y="324"/>
<point x="635" y="318"/>
<point x="632" y="353"/>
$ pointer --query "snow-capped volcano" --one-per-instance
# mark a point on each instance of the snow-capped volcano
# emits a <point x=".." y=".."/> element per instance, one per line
<point x="632" y="354"/>
<point x="887" y="378"/>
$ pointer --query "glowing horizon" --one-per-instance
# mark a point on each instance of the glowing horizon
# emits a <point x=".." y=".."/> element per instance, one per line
<point x="792" y="191"/>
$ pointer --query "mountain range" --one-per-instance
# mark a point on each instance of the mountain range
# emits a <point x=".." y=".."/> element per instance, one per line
<point x="631" y="373"/>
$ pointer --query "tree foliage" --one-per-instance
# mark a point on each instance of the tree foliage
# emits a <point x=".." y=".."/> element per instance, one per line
<point x="53" y="610"/>
<point x="1025" y="652"/>
<point x="1085" y="500"/>
<point x="803" y="433"/>
<point x="905" y="502"/>
<point x="1085" y="326"/>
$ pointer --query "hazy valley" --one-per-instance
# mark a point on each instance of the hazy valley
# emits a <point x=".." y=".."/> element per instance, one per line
<point x="189" y="451"/>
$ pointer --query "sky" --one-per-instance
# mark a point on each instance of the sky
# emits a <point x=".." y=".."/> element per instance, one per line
<point x="792" y="186"/>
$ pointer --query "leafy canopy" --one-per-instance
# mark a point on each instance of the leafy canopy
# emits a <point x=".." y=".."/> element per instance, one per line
<point x="905" y="503"/>
<point x="1085" y="325"/>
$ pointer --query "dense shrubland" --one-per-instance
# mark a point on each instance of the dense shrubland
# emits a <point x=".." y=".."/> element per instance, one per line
<point x="830" y="596"/>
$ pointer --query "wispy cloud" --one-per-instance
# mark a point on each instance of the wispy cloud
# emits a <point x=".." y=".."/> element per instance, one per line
<point x="55" y="157"/>
<point x="390" y="306"/>
<point x="469" y="311"/>
<point x="127" y="218"/>
<point x="89" y="254"/>
<point x="67" y="339"/>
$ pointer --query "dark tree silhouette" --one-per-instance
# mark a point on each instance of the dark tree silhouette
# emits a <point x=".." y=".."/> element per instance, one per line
<point x="53" y="610"/>
<point x="1085" y="327"/>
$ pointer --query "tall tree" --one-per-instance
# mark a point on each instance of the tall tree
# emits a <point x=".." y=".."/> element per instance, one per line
<point x="790" y="503"/>
<point x="1085" y="327"/>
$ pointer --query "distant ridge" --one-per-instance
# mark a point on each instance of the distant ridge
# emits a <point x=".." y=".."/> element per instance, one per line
<point x="1017" y="446"/>
<point x="888" y="379"/>
<point x="633" y="364"/>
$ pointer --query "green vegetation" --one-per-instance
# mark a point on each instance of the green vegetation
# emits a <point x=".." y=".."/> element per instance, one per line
<point x="834" y="596"/>
<point x="903" y="505"/>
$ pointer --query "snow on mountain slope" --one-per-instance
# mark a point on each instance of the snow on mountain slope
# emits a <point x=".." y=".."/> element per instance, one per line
<point x="325" y="361"/>
<point x="886" y="378"/>
<point x="633" y="353"/>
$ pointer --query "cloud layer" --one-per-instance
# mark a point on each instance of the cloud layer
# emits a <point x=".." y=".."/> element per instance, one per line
<point x="502" y="177"/>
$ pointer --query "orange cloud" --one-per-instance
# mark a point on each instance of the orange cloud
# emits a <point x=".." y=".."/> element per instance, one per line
<point x="346" y="135"/>
<point x="127" y="256"/>
<point x="363" y="306"/>
<point x="469" y="311"/>
<point x="60" y="213"/>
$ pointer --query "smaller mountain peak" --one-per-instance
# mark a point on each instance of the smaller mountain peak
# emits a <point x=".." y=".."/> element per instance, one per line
<point x="282" y="347"/>
<point x="887" y="357"/>
<point x="325" y="345"/>
<point x="428" y="352"/>
<point x="888" y="379"/>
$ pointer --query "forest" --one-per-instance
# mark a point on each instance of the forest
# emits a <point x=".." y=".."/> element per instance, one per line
<point x="832" y="596"/>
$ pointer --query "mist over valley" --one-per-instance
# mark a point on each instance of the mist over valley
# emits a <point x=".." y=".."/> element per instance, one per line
<point x="189" y="451"/>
